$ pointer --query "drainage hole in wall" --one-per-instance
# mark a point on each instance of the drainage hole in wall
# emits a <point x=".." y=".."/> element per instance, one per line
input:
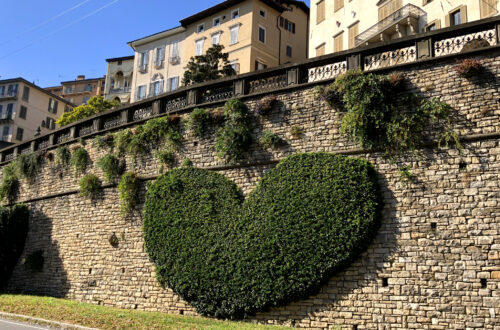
<point x="484" y="283"/>
<point x="195" y="143"/>
<point x="355" y="327"/>
<point x="135" y="307"/>
<point x="181" y="312"/>
<point x="462" y="166"/>
<point x="433" y="225"/>
<point x="90" y="271"/>
<point x="123" y="270"/>
<point x="385" y="281"/>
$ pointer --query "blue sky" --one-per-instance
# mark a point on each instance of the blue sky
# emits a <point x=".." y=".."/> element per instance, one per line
<point x="47" y="42"/>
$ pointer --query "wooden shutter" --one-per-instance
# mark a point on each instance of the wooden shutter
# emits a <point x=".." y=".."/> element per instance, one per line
<point x="389" y="8"/>
<point x="338" y="4"/>
<point x="488" y="8"/>
<point x="320" y="15"/>
<point x="320" y="51"/>
<point x="353" y="32"/>
<point x="338" y="43"/>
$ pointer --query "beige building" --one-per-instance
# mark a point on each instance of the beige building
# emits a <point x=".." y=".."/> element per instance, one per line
<point x="119" y="77"/>
<point x="159" y="63"/>
<point x="338" y="25"/>
<point x="257" y="34"/>
<point x="79" y="91"/>
<point x="25" y="107"/>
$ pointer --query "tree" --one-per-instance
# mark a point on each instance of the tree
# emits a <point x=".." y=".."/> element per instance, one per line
<point x="206" y="67"/>
<point x="94" y="106"/>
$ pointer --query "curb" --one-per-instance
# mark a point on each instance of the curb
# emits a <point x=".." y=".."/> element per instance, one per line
<point x="39" y="321"/>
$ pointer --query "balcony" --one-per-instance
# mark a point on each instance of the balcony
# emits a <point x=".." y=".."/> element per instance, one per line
<point x="159" y="64"/>
<point x="8" y="96"/>
<point x="174" y="60"/>
<point x="143" y="68"/>
<point x="395" y="23"/>
<point x="76" y="91"/>
<point x="120" y="90"/>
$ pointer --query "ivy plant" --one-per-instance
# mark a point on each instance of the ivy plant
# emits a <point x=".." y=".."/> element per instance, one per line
<point x="111" y="167"/>
<point x="128" y="189"/>
<point x="10" y="184"/>
<point x="269" y="139"/>
<point x="28" y="165"/>
<point x="80" y="160"/>
<point x="198" y="121"/>
<point x="90" y="186"/>
<point x="63" y="155"/>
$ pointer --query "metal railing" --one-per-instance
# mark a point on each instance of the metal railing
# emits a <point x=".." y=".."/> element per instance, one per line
<point x="475" y="37"/>
<point x="407" y="11"/>
<point x="8" y="95"/>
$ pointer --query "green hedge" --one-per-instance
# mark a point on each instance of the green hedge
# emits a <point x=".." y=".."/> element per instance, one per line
<point x="308" y="218"/>
<point x="13" y="230"/>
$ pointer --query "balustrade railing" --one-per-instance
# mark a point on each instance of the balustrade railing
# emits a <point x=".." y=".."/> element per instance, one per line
<point x="439" y="43"/>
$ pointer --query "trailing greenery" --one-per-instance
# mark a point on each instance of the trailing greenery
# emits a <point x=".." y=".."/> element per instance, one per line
<point x="34" y="261"/>
<point x="95" y="105"/>
<point x="265" y="105"/>
<point x="63" y="155"/>
<point x="186" y="162"/>
<point x="10" y="184"/>
<point x="307" y="219"/>
<point x="14" y="224"/>
<point x="80" y="160"/>
<point x="104" y="142"/>
<point x="405" y="174"/>
<point x="166" y="157"/>
<point x="376" y="116"/>
<point x="234" y="137"/>
<point x="111" y="167"/>
<point x="28" y="165"/>
<point x="129" y="191"/>
<point x="198" y="121"/>
<point x="90" y="186"/>
<point x="269" y="139"/>
<point x="469" y="68"/>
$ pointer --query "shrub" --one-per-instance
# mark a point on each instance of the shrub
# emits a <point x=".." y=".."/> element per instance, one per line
<point x="113" y="240"/>
<point x="166" y="157"/>
<point x="129" y="191"/>
<point x="307" y="219"/>
<point x="34" y="261"/>
<point x="198" y="121"/>
<point x="79" y="160"/>
<point x="90" y="186"/>
<point x="28" y="165"/>
<point x="396" y="80"/>
<point x="234" y="138"/>
<point x="186" y="162"/>
<point x="14" y="223"/>
<point x="63" y="155"/>
<point x="10" y="184"/>
<point x="111" y="167"/>
<point x="265" y="105"/>
<point x="468" y="68"/>
<point x="270" y="140"/>
<point x="95" y="105"/>
<point x="104" y="142"/>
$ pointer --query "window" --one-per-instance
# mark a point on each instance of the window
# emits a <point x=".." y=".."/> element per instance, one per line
<point x="156" y="88"/>
<point x="159" y="56"/>
<point x="2" y="90"/>
<point x="388" y="8"/>
<point x="86" y="99"/>
<point x="262" y="34"/>
<point x="216" y="38"/>
<point x="201" y="28"/>
<point x="119" y="62"/>
<point x="1" y="108"/>
<point x="199" y="46"/>
<point x="143" y="61"/>
<point x="488" y="8"/>
<point x="338" y="42"/>
<point x="260" y="65"/>
<point x="175" y="59"/>
<point x="10" y="109"/>
<point x="141" y="92"/>
<point x="288" y="51"/>
<point x="262" y="13"/>
<point x="19" y="135"/>
<point x="353" y="32"/>
<point x="434" y="25"/>
<point x="320" y="50"/>
<point x="455" y="18"/>
<point x="26" y="93"/>
<point x="235" y="14"/>
<point x="338" y="4"/>
<point x="22" y="112"/>
<point x="67" y="108"/>
<point x="173" y="83"/>
<point x="5" y="133"/>
<point x="320" y="11"/>
<point x="216" y="21"/>
<point x="289" y="26"/>
<point x="235" y="65"/>
<point x="53" y="105"/>
<point x="12" y="90"/>
<point x="67" y="90"/>
<point x="233" y="34"/>
<point x="88" y="88"/>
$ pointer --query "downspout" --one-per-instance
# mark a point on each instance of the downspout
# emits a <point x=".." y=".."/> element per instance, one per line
<point x="279" y="42"/>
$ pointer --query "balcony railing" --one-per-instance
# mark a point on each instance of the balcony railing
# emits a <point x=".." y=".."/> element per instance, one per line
<point x="399" y="15"/>
<point x="119" y="90"/>
<point x="470" y="39"/>
<point x="77" y="91"/>
<point x="8" y="95"/>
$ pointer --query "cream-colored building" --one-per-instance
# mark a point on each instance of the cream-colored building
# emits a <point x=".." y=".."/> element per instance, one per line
<point x="256" y="34"/>
<point x="119" y="77"/>
<point x="25" y="107"/>
<point x="158" y="64"/>
<point x="338" y="25"/>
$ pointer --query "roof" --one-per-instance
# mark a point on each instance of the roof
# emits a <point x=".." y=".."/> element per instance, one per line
<point x="116" y="59"/>
<point x="83" y="80"/>
<point x="300" y="4"/>
<point x="223" y="6"/>
<point x="19" y="79"/>
<point x="155" y="36"/>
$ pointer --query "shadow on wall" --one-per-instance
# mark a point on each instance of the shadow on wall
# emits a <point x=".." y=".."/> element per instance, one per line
<point x="48" y="278"/>
<point x="366" y="270"/>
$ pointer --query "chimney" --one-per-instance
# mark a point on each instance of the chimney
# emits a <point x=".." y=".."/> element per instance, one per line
<point x="80" y="77"/>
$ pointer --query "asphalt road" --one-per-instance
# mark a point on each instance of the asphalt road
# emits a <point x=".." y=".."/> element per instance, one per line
<point x="15" y="325"/>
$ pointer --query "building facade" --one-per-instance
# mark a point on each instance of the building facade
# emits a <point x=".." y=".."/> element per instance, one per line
<point x="79" y="91"/>
<point x="119" y="77"/>
<point x="338" y="25"/>
<point x="159" y="63"/>
<point x="25" y="107"/>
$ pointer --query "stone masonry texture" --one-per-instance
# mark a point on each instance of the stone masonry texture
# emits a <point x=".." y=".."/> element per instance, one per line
<point x="435" y="261"/>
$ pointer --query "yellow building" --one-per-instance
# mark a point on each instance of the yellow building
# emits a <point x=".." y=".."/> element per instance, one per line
<point x="79" y="91"/>
<point x="119" y="77"/>
<point x="25" y="107"/>
<point x="338" y="25"/>
<point x="256" y="34"/>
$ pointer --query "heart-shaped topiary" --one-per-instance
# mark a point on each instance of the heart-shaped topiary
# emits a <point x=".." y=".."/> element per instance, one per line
<point x="307" y="219"/>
